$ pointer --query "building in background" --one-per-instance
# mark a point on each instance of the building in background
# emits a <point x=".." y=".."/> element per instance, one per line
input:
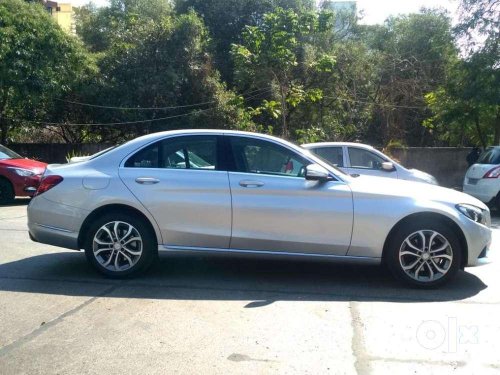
<point x="62" y="14"/>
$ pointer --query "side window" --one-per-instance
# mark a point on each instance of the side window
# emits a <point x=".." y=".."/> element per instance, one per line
<point x="188" y="152"/>
<point x="364" y="159"/>
<point x="333" y="155"/>
<point x="263" y="157"/>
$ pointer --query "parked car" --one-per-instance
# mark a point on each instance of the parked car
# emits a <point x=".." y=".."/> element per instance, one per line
<point x="482" y="178"/>
<point x="260" y="196"/>
<point x="358" y="158"/>
<point x="18" y="176"/>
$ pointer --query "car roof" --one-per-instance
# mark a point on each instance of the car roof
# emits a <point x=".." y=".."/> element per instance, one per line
<point x="202" y="131"/>
<point x="337" y="144"/>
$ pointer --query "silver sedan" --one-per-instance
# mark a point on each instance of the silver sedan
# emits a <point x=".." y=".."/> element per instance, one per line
<point x="246" y="193"/>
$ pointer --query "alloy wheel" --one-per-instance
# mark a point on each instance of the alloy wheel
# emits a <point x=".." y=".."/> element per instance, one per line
<point x="426" y="255"/>
<point x="117" y="246"/>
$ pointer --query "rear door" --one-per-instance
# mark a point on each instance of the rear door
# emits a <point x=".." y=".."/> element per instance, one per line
<point x="180" y="182"/>
<point x="366" y="162"/>
<point x="276" y="209"/>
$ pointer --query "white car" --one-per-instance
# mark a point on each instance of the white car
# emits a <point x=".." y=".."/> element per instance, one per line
<point x="358" y="158"/>
<point x="482" y="179"/>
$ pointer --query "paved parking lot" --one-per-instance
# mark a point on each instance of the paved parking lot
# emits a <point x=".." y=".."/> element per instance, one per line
<point x="214" y="315"/>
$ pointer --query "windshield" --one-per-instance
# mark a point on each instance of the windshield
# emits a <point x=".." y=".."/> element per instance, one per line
<point x="490" y="156"/>
<point x="5" y="153"/>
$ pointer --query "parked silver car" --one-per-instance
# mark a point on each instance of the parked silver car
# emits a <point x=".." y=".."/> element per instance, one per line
<point x="253" y="194"/>
<point x="358" y="158"/>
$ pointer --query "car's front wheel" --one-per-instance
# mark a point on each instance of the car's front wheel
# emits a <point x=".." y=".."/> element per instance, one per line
<point x="120" y="245"/>
<point x="424" y="254"/>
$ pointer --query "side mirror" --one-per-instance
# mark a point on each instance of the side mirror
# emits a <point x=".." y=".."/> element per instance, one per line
<point x="315" y="172"/>
<point x="388" y="166"/>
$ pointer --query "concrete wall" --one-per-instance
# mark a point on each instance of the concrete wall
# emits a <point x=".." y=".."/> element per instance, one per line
<point x="447" y="164"/>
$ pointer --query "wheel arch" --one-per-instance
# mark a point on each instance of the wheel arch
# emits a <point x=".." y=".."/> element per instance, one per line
<point x="106" y="209"/>
<point x="427" y="216"/>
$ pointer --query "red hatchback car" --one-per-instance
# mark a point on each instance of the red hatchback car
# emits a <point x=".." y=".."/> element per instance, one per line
<point x="18" y="176"/>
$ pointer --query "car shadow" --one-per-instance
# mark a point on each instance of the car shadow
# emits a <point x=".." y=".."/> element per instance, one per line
<point x="262" y="281"/>
<point x="17" y="202"/>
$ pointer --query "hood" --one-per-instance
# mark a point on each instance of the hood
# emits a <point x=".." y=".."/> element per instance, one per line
<point x="33" y="165"/>
<point x="420" y="191"/>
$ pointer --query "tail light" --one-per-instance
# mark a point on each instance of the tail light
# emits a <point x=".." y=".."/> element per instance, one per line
<point x="493" y="173"/>
<point x="47" y="183"/>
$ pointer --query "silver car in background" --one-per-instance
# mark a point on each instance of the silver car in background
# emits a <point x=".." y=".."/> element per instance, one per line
<point x="246" y="193"/>
<point x="358" y="158"/>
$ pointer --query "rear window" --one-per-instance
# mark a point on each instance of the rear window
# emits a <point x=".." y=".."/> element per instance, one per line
<point x="490" y="156"/>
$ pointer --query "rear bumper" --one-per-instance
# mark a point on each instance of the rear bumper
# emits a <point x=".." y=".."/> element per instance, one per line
<point x="54" y="224"/>
<point x="485" y="189"/>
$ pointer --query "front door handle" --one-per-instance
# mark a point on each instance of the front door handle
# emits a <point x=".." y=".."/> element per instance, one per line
<point x="147" y="180"/>
<point x="251" y="183"/>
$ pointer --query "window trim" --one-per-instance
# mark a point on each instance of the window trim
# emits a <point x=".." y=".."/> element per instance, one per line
<point x="175" y="138"/>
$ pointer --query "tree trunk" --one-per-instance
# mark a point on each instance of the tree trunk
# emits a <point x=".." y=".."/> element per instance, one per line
<point x="284" y="131"/>
<point x="4" y="126"/>
<point x="4" y="129"/>
<point x="480" y="132"/>
<point x="496" y="141"/>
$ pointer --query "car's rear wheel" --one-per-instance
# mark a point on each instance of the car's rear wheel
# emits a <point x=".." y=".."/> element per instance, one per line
<point x="424" y="254"/>
<point x="120" y="245"/>
<point x="6" y="191"/>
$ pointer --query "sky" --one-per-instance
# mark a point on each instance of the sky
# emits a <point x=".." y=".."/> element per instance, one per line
<point x="375" y="11"/>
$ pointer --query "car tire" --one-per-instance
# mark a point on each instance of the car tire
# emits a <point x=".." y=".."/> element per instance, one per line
<point x="413" y="259"/>
<point x="120" y="245"/>
<point x="6" y="191"/>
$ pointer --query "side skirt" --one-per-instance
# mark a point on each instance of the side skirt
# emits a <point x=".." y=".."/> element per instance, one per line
<point x="334" y="258"/>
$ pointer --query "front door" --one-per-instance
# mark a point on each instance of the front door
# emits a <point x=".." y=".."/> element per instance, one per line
<point x="178" y="180"/>
<point x="365" y="162"/>
<point x="276" y="209"/>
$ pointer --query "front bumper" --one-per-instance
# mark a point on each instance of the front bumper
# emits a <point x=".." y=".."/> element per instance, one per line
<point x="478" y="239"/>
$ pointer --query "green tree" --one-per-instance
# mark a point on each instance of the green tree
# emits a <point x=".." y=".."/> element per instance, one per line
<point x="412" y="52"/>
<point x="271" y="55"/>
<point x="466" y="108"/>
<point x="38" y="62"/>
<point x="226" y="19"/>
<point x="155" y="62"/>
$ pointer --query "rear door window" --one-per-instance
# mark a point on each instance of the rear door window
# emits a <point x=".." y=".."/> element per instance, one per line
<point x="188" y="152"/>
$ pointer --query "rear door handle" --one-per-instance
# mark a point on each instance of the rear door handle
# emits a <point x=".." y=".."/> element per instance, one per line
<point x="147" y="180"/>
<point x="251" y="183"/>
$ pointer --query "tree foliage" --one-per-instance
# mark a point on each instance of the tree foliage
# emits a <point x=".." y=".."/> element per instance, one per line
<point x="286" y="67"/>
<point x="38" y="62"/>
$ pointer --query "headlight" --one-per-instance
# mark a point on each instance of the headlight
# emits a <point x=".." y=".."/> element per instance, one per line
<point x="23" y="172"/>
<point x="472" y="212"/>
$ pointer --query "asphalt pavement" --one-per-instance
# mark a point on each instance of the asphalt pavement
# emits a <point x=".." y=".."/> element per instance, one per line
<point x="215" y="315"/>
